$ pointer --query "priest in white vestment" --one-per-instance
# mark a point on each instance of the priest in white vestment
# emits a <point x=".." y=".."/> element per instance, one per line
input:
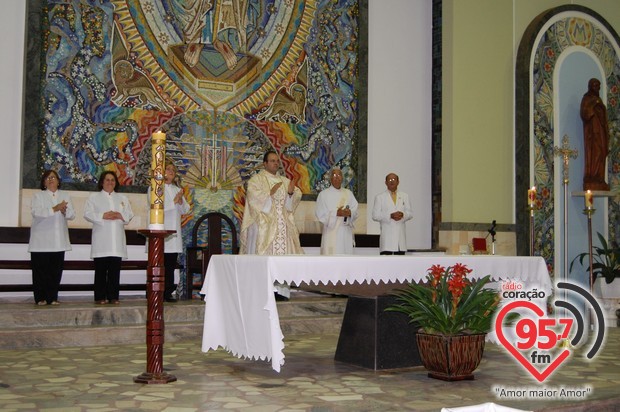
<point x="336" y="209"/>
<point x="268" y="226"/>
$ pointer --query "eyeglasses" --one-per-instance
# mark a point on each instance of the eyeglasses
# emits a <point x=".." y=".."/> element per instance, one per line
<point x="51" y="177"/>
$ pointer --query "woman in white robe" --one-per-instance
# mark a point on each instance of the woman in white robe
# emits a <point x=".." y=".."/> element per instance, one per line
<point x="49" y="238"/>
<point x="109" y="212"/>
<point x="175" y="206"/>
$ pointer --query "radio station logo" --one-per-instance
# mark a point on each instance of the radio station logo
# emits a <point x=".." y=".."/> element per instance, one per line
<point x="539" y="342"/>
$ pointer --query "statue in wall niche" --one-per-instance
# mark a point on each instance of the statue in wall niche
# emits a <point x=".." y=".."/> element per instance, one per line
<point x="595" y="137"/>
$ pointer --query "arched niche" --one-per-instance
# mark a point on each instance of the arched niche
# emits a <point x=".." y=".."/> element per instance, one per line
<point x="560" y="46"/>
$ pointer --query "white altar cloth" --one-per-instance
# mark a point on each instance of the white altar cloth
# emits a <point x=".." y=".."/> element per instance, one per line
<point x="241" y="313"/>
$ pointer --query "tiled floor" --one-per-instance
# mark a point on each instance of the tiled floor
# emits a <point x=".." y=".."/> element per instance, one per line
<point x="101" y="379"/>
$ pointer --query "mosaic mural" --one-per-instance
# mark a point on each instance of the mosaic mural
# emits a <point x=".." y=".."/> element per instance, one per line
<point x="113" y="72"/>
<point x="572" y="31"/>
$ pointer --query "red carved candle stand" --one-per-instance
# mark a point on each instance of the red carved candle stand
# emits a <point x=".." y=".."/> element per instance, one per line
<point x="155" y="310"/>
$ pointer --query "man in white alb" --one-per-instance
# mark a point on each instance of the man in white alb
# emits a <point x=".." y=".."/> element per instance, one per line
<point x="336" y="209"/>
<point x="268" y="226"/>
<point x="392" y="209"/>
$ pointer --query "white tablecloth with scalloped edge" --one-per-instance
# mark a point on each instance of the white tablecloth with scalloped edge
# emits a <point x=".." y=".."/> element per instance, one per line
<point x="241" y="313"/>
<point x="484" y="407"/>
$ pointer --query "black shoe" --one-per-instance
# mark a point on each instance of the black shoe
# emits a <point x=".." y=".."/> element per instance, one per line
<point x="280" y="298"/>
<point x="171" y="299"/>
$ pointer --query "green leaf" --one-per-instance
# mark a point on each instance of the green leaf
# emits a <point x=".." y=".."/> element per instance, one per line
<point x="474" y="312"/>
<point x="605" y="260"/>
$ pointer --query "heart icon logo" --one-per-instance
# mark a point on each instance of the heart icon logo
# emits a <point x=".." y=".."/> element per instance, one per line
<point x="531" y="328"/>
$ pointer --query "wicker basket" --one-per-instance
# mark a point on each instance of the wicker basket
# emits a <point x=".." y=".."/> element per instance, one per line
<point x="451" y="358"/>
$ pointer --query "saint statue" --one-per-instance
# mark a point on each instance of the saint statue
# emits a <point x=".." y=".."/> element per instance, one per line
<point x="595" y="137"/>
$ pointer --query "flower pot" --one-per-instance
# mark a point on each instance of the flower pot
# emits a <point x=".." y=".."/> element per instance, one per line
<point x="608" y="295"/>
<point x="450" y="358"/>
<point x="605" y="290"/>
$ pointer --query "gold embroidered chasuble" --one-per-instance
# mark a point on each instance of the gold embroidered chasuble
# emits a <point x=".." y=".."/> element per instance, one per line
<point x="268" y="226"/>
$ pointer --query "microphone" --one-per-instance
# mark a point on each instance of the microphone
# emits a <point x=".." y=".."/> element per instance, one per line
<point x="492" y="230"/>
<point x="345" y="218"/>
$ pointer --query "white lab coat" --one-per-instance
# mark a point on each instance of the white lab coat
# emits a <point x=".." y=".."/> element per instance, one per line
<point x="393" y="234"/>
<point x="49" y="231"/>
<point x="172" y="218"/>
<point x="108" y="237"/>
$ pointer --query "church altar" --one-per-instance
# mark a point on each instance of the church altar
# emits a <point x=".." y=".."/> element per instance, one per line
<point x="241" y="313"/>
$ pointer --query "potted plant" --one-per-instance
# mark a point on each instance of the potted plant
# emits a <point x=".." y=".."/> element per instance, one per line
<point x="605" y="264"/>
<point x="454" y="314"/>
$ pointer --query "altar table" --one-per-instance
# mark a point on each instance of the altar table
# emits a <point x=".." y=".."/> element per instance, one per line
<point x="241" y="313"/>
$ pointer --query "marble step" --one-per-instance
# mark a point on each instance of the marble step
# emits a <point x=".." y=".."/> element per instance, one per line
<point x="71" y="314"/>
<point x="24" y="325"/>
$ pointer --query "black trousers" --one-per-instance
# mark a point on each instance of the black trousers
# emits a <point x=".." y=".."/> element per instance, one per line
<point x="387" y="252"/>
<point x="170" y="263"/>
<point x="107" y="277"/>
<point x="46" y="275"/>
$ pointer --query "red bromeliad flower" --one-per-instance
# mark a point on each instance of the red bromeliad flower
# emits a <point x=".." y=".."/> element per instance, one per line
<point x="435" y="272"/>
<point x="457" y="279"/>
<point x="449" y="303"/>
<point x="456" y="284"/>
<point x="460" y="269"/>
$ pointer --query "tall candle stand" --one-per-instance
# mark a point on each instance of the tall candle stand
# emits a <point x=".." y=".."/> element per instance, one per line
<point x="532" y="208"/>
<point x="589" y="211"/>
<point x="155" y="286"/>
<point x="155" y="273"/>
